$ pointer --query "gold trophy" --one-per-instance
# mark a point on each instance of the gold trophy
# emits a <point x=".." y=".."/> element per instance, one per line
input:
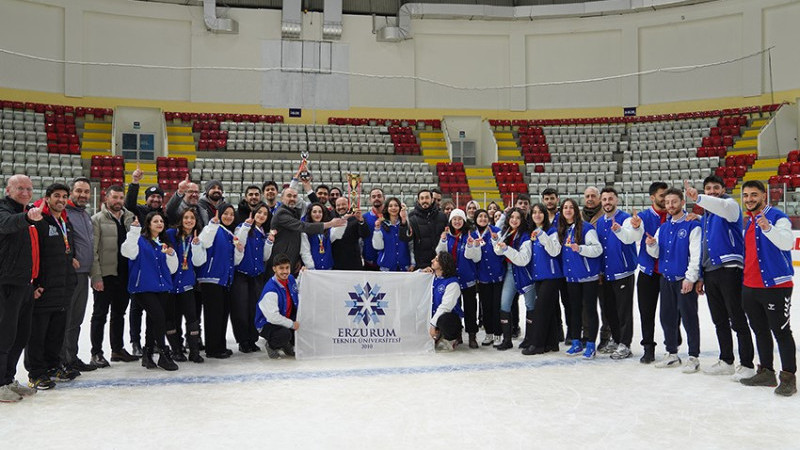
<point x="354" y="191"/>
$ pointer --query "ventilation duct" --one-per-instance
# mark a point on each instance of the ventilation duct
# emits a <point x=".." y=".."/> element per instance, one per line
<point x="216" y="24"/>
<point x="292" y="21"/>
<point x="332" y="20"/>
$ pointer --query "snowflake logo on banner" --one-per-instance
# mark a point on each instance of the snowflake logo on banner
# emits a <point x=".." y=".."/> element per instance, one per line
<point x="366" y="304"/>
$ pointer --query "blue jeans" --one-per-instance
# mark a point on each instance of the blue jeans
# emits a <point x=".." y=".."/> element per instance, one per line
<point x="509" y="294"/>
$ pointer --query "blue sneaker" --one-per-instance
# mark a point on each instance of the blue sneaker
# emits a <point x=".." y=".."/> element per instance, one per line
<point x="590" y="351"/>
<point x="576" y="348"/>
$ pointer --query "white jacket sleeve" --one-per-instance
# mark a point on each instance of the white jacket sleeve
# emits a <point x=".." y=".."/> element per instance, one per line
<point x="130" y="248"/>
<point x="441" y="246"/>
<point x="267" y="249"/>
<point x="377" y="239"/>
<point x="473" y="252"/>
<point x="695" y="253"/>
<point x="653" y="250"/>
<point x="238" y="256"/>
<point x="411" y="253"/>
<point x="172" y="261"/>
<point x="727" y="208"/>
<point x="269" y="307"/>
<point x="519" y="257"/>
<point x="199" y="255"/>
<point x="241" y="233"/>
<point x="550" y="243"/>
<point x="591" y="247"/>
<point x="337" y="233"/>
<point x="449" y="300"/>
<point x="636" y="233"/>
<point x="781" y="234"/>
<point x="208" y="234"/>
<point x="305" y="252"/>
<point x="626" y="234"/>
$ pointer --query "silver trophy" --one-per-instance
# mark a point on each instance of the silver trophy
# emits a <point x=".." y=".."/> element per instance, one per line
<point x="304" y="174"/>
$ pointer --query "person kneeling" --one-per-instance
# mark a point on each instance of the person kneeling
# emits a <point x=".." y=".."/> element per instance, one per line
<point x="446" y="320"/>
<point x="277" y="309"/>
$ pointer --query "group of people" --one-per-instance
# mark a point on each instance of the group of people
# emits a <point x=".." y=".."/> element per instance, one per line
<point x="199" y="256"/>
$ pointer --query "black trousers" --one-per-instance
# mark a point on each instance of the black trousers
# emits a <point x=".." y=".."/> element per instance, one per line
<point x="583" y="302"/>
<point x="160" y="310"/>
<point x="16" y="314"/>
<point x="245" y="294"/>
<point x="648" y="288"/>
<point x="449" y="326"/>
<point x="114" y="296"/>
<point x="186" y="308"/>
<point x="490" y="294"/>
<point x="618" y="296"/>
<point x="605" y="325"/>
<point x="677" y="308"/>
<point x="768" y="310"/>
<point x="75" y="314"/>
<point x="277" y="336"/>
<point x="724" y="293"/>
<point x="135" y="321"/>
<point x="470" y="303"/>
<point x="216" y="308"/>
<point x="545" y="313"/>
<point x="47" y="337"/>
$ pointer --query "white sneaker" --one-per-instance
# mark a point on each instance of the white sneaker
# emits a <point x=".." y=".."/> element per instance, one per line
<point x="743" y="372"/>
<point x="445" y="345"/>
<point x="8" y="396"/>
<point x="668" y="361"/>
<point x="498" y="338"/>
<point x="24" y="391"/>
<point x="692" y="365"/>
<point x="488" y="340"/>
<point x="719" y="368"/>
<point x="621" y="352"/>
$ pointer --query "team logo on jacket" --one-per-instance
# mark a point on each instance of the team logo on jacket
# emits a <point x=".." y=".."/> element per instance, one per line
<point x="52" y="231"/>
<point x="366" y="304"/>
<point x="682" y="234"/>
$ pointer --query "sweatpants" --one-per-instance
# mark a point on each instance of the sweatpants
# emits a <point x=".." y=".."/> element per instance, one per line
<point x="490" y="294"/>
<point x="75" y="314"/>
<point x="677" y="308"/>
<point x="583" y="303"/>
<point x="114" y="296"/>
<point x="44" y="346"/>
<point x="216" y="308"/>
<point x="245" y="294"/>
<point x="16" y="314"/>
<point x="160" y="310"/>
<point x="277" y="336"/>
<point x="449" y="326"/>
<point x="470" y="303"/>
<point x="618" y="296"/>
<point x="647" y="289"/>
<point x="724" y="294"/>
<point x="769" y="310"/>
<point x="545" y="314"/>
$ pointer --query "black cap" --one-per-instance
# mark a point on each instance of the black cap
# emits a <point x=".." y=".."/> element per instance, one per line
<point x="153" y="190"/>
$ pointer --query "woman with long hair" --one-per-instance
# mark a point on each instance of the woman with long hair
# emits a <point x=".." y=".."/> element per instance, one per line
<point x="490" y="277"/>
<point x="446" y="310"/>
<point x="580" y="256"/>
<point x="447" y="206"/>
<point x="492" y="208"/>
<point x="392" y="238"/>
<point x="457" y="241"/>
<point x="225" y="252"/>
<point x="152" y="263"/>
<point x="184" y="238"/>
<point x="248" y="280"/>
<point x="316" y="250"/>
<point x="514" y="245"/>
<point x="544" y="321"/>
<point x="471" y="208"/>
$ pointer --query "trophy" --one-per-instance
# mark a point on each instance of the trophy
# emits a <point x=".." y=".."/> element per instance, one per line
<point x="304" y="175"/>
<point x="354" y="191"/>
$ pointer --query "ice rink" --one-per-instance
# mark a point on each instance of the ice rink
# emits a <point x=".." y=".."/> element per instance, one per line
<point x="467" y="399"/>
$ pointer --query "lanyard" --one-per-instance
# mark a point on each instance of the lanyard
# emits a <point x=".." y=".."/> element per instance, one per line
<point x="185" y="245"/>
<point x="63" y="225"/>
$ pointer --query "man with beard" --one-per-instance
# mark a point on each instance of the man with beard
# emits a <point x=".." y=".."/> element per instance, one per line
<point x="592" y="211"/>
<point x="648" y="286"/>
<point x="551" y="203"/>
<point x="210" y="200"/>
<point x="249" y="204"/>
<point x="19" y="246"/>
<point x="187" y="196"/>
<point x="153" y="196"/>
<point x="52" y="291"/>
<point x="723" y="261"/>
<point x="289" y="227"/>
<point x="323" y="193"/>
<point x="550" y="200"/>
<point x="346" y="249"/>
<point x="437" y="198"/>
<point x="335" y="194"/>
<point x="269" y="194"/>
<point x="426" y="226"/>
<point x="110" y="277"/>
<point x="370" y="254"/>
<point x="619" y="266"/>
<point x="83" y="235"/>
<point x="767" y="291"/>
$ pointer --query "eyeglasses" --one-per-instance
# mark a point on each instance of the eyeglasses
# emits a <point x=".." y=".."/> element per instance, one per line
<point x="193" y="192"/>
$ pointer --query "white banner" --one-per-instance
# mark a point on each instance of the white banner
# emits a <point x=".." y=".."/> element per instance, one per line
<point x="343" y="313"/>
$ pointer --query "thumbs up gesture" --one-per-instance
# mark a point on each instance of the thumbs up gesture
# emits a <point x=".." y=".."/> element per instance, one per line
<point x="691" y="193"/>
<point x="636" y="221"/>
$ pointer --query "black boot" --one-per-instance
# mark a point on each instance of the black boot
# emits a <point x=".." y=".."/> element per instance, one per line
<point x="505" y="325"/>
<point x="175" y="344"/>
<point x="528" y="340"/>
<point x="164" y="359"/>
<point x="147" y="357"/>
<point x="194" y="348"/>
<point x="649" y="354"/>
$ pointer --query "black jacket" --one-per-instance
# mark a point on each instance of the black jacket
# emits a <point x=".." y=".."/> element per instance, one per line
<point x="16" y="261"/>
<point x="56" y="274"/>
<point x="346" y="250"/>
<point x="131" y="198"/>
<point x="426" y="227"/>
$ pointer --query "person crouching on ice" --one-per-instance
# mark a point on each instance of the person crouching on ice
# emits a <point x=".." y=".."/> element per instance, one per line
<point x="446" y="320"/>
<point x="277" y="309"/>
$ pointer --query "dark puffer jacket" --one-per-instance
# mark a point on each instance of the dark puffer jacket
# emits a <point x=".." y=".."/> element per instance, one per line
<point x="56" y="273"/>
<point x="16" y="261"/>
<point x="426" y="227"/>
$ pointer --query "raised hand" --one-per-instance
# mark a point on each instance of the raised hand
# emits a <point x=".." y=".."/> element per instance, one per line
<point x="501" y="245"/>
<point x="444" y="235"/>
<point x="135" y="222"/>
<point x="636" y="221"/>
<point x="35" y="214"/>
<point x="762" y="222"/>
<point x="403" y="214"/>
<point x="137" y="174"/>
<point x="338" y="222"/>
<point x="691" y="192"/>
<point x="470" y="241"/>
<point x="215" y="219"/>
<point x="273" y="233"/>
<point x="358" y="215"/>
<point x="650" y="240"/>
<point x="250" y="219"/>
<point x="183" y="186"/>
<point x="494" y="236"/>
<point x="195" y="239"/>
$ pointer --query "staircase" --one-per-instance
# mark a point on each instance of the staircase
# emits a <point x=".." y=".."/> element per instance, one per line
<point x="434" y="147"/>
<point x="150" y="177"/>
<point x="762" y="169"/>
<point x="507" y="148"/>
<point x="483" y="186"/>
<point x="180" y="142"/>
